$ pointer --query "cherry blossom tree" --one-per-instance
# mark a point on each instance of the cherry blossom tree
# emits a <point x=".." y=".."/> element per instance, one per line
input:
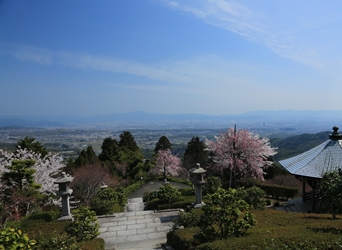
<point x="46" y="167"/>
<point x="166" y="164"/>
<point x="241" y="152"/>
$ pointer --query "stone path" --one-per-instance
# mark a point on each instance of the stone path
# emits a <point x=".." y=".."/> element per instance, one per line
<point x="136" y="229"/>
<point x="297" y="205"/>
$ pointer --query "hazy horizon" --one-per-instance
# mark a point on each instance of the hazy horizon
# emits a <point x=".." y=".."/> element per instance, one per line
<point x="212" y="57"/>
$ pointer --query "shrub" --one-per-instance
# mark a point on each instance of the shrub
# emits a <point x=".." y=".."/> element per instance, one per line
<point x="187" y="191"/>
<point x="108" y="201"/>
<point x="168" y="194"/>
<point x="58" y="241"/>
<point x="150" y="195"/>
<point x="46" y="216"/>
<point x="224" y="217"/>
<point x="182" y="239"/>
<point x="268" y="202"/>
<point x="183" y="202"/>
<point x="84" y="227"/>
<point x="277" y="204"/>
<point x="211" y="185"/>
<point x="11" y="238"/>
<point x="253" y="196"/>
<point x="188" y="219"/>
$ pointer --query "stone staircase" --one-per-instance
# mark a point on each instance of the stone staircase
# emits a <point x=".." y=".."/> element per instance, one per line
<point x="135" y="228"/>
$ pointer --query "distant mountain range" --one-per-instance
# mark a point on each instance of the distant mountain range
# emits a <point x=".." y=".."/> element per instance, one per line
<point x="264" y="116"/>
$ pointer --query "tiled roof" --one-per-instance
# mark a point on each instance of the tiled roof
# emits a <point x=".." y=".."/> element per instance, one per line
<point x="315" y="162"/>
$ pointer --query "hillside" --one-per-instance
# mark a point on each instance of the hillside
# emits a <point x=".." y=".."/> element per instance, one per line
<point x="294" y="145"/>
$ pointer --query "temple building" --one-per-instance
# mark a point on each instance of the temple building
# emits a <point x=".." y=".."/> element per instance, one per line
<point x="310" y="166"/>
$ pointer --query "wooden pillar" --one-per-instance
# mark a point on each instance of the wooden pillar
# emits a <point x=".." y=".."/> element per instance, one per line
<point x="303" y="189"/>
<point x="313" y="195"/>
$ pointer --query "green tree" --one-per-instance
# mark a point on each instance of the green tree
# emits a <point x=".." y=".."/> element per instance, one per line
<point x="86" y="157"/>
<point x="82" y="159"/>
<point x="20" y="192"/>
<point x="127" y="141"/>
<point x="162" y="144"/>
<point x="226" y="215"/>
<point x="124" y="158"/>
<point x="20" y="175"/>
<point x="110" y="148"/>
<point x="330" y="190"/>
<point x="70" y="166"/>
<point x="195" y="153"/>
<point x="29" y="144"/>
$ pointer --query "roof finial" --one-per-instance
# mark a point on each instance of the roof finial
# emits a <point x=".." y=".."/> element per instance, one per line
<point x="335" y="135"/>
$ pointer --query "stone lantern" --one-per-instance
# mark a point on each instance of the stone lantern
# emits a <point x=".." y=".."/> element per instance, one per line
<point x="198" y="180"/>
<point x="65" y="192"/>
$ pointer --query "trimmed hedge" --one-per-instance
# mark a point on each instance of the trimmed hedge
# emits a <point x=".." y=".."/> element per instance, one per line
<point x="131" y="188"/>
<point x="46" y="216"/>
<point x="182" y="239"/>
<point x="278" y="192"/>
<point x="187" y="191"/>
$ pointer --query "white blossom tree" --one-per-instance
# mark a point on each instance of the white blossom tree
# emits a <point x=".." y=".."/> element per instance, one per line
<point x="46" y="167"/>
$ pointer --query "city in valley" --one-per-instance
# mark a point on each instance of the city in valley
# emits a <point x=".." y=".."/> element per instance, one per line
<point x="70" y="139"/>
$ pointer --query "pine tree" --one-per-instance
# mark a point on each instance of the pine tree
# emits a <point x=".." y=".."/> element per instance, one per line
<point x="162" y="144"/>
<point x="20" y="175"/>
<point x="127" y="141"/>
<point x="29" y="144"/>
<point x="195" y="153"/>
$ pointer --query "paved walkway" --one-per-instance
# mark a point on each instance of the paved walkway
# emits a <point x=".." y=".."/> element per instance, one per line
<point x="136" y="228"/>
<point x="297" y="205"/>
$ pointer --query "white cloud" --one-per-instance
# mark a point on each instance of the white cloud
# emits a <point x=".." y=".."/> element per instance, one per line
<point x="294" y="30"/>
<point x="192" y="72"/>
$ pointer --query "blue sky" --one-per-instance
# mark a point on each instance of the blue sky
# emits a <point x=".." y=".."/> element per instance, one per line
<point x="169" y="56"/>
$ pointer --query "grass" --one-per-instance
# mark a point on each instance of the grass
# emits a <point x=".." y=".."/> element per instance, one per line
<point x="283" y="230"/>
<point x="289" y="227"/>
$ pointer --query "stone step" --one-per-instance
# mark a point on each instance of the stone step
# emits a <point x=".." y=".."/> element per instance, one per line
<point x="135" y="204"/>
<point x="136" y="226"/>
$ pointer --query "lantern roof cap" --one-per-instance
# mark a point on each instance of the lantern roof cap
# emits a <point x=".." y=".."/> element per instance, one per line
<point x="198" y="169"/>
<point x="64" y="178"/>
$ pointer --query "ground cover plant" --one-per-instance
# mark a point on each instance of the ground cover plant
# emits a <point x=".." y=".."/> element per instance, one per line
<point x="274" y="230"/>
<point x="48" y="233"/>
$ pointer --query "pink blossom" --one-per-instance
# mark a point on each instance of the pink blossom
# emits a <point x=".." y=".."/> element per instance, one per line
<point x="165" y="160"/>
<point x="241" y="151"/>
